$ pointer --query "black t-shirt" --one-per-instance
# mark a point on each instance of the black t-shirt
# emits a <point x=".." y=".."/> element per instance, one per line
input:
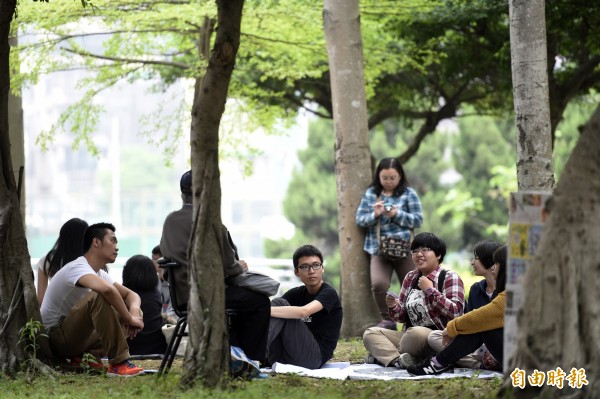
<point x="151" y="339"/>
<point x="325" y="325"/>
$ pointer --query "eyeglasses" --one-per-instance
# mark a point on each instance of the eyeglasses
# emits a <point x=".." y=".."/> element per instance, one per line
<point x="389" y="178"/>
<point x="314" y="266"/>
<point x="423" y="250"/>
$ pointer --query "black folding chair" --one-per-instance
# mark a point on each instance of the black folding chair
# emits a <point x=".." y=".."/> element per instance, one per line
<point x="180" y="310"/>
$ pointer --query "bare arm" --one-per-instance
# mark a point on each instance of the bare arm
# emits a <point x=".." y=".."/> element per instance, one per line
<point x="42" y="284"/>
<point x="113" y="296"/>
<point x="296" y="312"/>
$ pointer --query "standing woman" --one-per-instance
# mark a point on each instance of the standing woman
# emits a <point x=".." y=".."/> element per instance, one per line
<point x="394" y="208"/>
<point x="68" y="247"/>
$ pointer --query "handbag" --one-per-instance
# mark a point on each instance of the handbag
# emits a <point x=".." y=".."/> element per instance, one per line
<point x="255" y="281"/>
<point x="391" y="248"/>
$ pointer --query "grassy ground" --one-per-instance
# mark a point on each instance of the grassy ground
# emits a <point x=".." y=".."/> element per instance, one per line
<point x="276" y="386"/>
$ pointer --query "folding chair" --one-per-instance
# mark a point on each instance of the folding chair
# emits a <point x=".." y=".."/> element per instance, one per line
<point x="180" y="310"/>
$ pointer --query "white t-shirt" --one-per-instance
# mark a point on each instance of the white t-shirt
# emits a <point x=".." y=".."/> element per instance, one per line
<point x="63" y="293"/>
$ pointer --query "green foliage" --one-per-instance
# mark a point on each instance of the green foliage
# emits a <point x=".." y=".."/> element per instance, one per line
<point x="28" y="337"/>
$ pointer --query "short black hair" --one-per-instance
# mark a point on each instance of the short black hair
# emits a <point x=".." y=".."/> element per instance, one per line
<point x="97" y="230"/>
<point x="306" y="250"/>
<point x="156" y="250"/>
<point x="484" y="250"/>
<point x="139" y="274"/>
<point x="431" y="241"/>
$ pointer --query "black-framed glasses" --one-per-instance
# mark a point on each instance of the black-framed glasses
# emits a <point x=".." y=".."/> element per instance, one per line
<point x="315" y="266"/>
<point x="423" y="250"/>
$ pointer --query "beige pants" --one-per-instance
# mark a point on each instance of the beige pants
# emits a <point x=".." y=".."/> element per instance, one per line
<point x="387" y="345"/>
<point x="91" y="326"/>
<point x="471" y="361"/>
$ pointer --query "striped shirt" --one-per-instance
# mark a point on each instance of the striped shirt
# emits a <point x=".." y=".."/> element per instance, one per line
<point x="441" y="306"/>
<point x="408" y="216"/>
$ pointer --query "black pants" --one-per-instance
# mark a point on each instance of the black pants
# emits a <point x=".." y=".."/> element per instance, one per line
<point x="462" y="345"/>
<point x="250" y="323"/>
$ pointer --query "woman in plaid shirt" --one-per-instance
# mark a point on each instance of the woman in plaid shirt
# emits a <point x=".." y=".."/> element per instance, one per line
<point x="393" y="207"/>
<point x="430" y="297"/>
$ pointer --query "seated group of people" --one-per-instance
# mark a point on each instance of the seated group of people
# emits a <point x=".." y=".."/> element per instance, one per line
<point x="437" y="333"/>
<point x="85" y="311"/>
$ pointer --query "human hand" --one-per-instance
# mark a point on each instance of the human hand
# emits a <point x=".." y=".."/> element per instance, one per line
<point x="378" y="208"/>
<point x="425" y="283"/>
<point x="446" y="339"/>
<point x="391" y="300"/>
<point x="243" y="264"/>
<point x="489" y="362"/>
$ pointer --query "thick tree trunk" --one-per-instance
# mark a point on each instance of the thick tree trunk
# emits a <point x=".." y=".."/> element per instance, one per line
<point x="558" y="324"/>
<point x="206" y="358"/>
<point x="530" y="92"/>
<point x="341" y="21"/>
<point x="18" y="302"/>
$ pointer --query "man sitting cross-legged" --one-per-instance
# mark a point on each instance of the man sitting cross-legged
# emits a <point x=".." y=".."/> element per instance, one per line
<point x="84" y="308"/>
<point x="306" y="320"/>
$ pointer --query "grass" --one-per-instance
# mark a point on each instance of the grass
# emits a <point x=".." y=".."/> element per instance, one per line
<point x="276" y="386"/>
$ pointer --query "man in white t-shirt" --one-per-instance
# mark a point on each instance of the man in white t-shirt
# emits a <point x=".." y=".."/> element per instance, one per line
<point x="85" y="311"/>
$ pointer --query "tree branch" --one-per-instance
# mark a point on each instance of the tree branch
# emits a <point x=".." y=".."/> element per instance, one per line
<point x="179" y="65"/>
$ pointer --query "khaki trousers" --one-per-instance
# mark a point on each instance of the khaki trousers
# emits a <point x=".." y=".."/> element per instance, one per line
<point x="91" y="326"/>
<point x="435" y="342"/>
<point x="386" y="345"/>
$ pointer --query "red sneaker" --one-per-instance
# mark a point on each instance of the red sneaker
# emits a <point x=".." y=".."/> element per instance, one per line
<point x="96" y="364"/>
<point x="124" y="369"/>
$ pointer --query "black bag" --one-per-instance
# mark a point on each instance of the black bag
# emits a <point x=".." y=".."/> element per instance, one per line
<point x="255" y="281"/>
<point x="394" y="249"/>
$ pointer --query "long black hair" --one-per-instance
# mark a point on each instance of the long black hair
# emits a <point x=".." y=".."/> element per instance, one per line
<point x="68" y="246"/>
<point x="500" y="261"/>
<point x="139" y="274"/>
<point x="390" y="163"/>
<point x="484" y="250"/>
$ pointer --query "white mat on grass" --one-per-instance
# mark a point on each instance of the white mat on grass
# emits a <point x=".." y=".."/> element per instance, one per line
<point x="347" y="371"/>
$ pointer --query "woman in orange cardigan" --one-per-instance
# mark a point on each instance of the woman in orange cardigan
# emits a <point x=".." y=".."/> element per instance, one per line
<point x="468" y="332"/>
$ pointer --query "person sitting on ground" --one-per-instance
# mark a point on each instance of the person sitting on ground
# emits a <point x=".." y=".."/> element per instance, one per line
<point x="250" y="324"/>
<point x="481" y="326"/>
<point x="139" y="275"/>
<point x="84" y="308"/>
<point x="68" y="247"/>
<point x="306" y="320"/>
<point x="167" y="312"/>
<point x="430" y="297"/>
<point x="480" y="295"/>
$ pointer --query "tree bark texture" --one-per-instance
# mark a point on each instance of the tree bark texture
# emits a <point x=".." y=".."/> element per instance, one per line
<point x="208" y="352"/>
<point x="18" y="301"/>
<point x="558" y="323"/>
<point x="341" y="22"/>
<point x="530" y="91"/>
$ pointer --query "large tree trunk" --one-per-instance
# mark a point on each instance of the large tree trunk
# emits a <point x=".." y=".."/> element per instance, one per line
<point x="558" y="324"/>
<point x="530" y="91"/>
<point x="341" y="21"/>
<point x="18" y="302"/>
<point x="206" y="358"/>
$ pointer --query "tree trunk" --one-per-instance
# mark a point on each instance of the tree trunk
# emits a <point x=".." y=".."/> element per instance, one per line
<point x="530" y="91"/>
<point x="341" y="22"/>
<point x="206" y="358"/>
<point x="558" y="324"/>
<point x="18" y="301"/>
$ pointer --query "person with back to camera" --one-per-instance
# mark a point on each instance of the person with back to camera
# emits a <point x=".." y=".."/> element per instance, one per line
<point x="480" y="295"/>
<point x="250" y="324"/>
<point x="430" y="297"/>
<point x="139" y="275"/>
<point x="394" y="208"/>
<point x="306" y="320"/>
<point x="167" y="312"/>
<point x="68" y="247"/>
<point x="468" y="332"/>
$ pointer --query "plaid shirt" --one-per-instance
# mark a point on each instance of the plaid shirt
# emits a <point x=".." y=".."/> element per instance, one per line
<point x="441" y="307"/>
<point x="408" y="216"/>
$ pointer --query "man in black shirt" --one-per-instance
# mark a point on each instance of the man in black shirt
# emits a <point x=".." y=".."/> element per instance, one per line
<point x="306" y="320"/>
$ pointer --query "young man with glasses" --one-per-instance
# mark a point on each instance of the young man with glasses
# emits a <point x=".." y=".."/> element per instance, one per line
<point x="306" y="320"/>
